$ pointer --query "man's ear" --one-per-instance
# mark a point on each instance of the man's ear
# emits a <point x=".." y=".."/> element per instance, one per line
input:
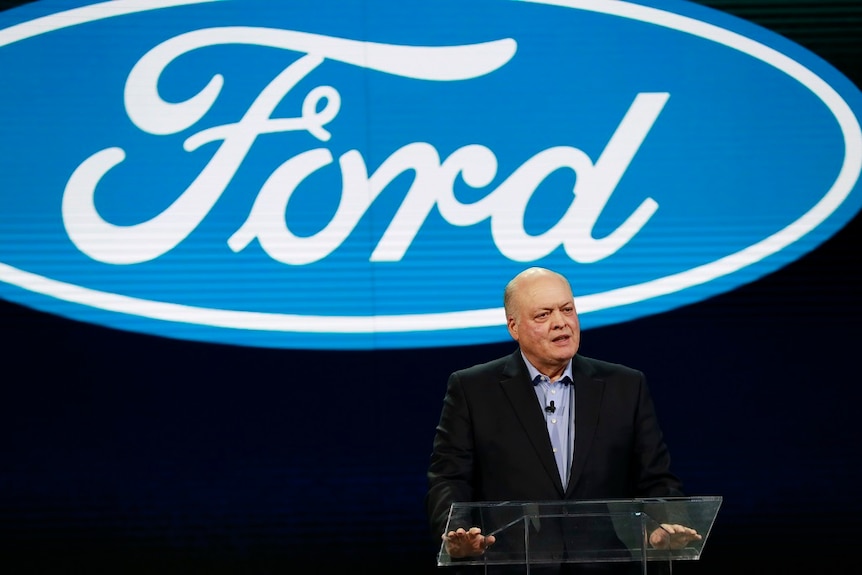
<point x="512" y="325"/>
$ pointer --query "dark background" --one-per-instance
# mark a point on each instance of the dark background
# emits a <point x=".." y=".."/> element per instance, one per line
<point x="126" y="453"/>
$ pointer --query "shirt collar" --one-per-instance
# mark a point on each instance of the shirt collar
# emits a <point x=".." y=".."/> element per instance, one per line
<point x="536" y="376"/>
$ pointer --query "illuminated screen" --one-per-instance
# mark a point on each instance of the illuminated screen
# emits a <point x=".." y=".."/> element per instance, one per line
<point x="244" y="243"/>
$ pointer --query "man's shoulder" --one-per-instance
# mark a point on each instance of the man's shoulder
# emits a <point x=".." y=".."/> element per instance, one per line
<point x="495" y="367"/>
<point x="492" y="366"/>
<point x="601" y="368"/>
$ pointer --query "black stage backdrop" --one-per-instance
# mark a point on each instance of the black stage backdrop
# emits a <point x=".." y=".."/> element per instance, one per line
<point x="128" y="453"/>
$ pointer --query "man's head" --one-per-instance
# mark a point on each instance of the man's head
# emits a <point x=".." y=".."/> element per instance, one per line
<point x="541" y="317"/>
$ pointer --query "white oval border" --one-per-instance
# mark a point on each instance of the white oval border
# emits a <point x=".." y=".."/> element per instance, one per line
<point x="493" y="317"/>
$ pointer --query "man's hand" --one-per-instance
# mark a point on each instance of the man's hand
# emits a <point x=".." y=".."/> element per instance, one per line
<point x="673" y="536"/>
<point x="470" y="543"/>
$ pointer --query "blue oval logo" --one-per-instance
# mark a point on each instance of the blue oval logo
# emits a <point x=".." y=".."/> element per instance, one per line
<point x="355" y="174"/>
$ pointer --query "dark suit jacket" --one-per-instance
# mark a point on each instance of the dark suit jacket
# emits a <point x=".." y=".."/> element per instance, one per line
<point x="492" y="442"/>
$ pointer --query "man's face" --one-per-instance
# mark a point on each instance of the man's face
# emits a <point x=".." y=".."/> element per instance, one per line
<point x="545" y="323"/>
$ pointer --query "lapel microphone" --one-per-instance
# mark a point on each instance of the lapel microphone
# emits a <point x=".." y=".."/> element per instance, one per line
<point x="551" y="408"/>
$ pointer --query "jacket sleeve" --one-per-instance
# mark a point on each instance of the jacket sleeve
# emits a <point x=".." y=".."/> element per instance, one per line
<point x="451" y="470"/>
<point x="653" y="469"/>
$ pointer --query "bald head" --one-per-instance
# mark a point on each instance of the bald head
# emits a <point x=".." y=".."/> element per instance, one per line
<point x="522" y="280"/>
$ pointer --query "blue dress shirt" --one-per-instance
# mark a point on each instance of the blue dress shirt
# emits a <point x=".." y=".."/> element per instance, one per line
<point x="557" y="400"/>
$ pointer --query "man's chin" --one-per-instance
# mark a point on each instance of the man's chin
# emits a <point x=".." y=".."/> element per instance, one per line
<point x="564" y="347"/>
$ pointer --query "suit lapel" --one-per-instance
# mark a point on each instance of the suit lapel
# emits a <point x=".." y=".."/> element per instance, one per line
<point x="588" y="400"/>
<point x="516" y="384"/>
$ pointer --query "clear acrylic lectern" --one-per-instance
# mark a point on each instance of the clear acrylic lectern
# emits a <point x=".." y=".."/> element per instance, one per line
<point x="594" y="531"/>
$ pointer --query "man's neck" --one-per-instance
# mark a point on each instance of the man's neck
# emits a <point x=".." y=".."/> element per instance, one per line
<point x="553" y="373"/>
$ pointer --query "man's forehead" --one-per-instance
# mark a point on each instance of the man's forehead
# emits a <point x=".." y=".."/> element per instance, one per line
<point x="548" y="297"/>
<point x="547" y="287"/>
<point x="549" y="304"/>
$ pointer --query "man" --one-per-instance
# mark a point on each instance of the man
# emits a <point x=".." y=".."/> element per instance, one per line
<point x="546" y="424"/>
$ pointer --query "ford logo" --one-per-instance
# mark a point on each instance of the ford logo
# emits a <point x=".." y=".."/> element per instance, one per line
<point x="367" y="174"/>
